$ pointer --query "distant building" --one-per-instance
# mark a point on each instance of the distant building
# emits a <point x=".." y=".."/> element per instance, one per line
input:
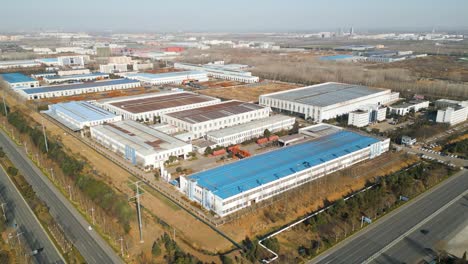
<point x="19" y="80"/>
<point x="169" y="77"/>
<point x="120" y="60"/>
<point x="19" y="64"/>
<point x="405" y="140"/>
<point x="72" y="61"/>
<point x="404" y="108"/>
<point x="442" y="103"/>
<point x="113" y="68"/>
<point x="73" y="72"/>
<point x="367" y="115"/>
<point x="452" y="115"/>
<point x="231" y="72"/>
<point x="142" y="66"/>
<point x="76" y="78"/>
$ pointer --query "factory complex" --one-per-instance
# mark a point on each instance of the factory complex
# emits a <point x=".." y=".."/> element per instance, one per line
<point x="327" y="100"/>
<point x="78" y="115"/>
<point x="227" y="189"/>
<point x="201" y="120"/>
<point x="76" y="78"/>
<point x="168" y="78"/>
<point x="138" y="143"/>
<point x="232" y="72"/>
<point x="18" y="80"/>
<point x="254" y="129"/>
<point x="75" y="89"/>
<point x="148" y="106"/>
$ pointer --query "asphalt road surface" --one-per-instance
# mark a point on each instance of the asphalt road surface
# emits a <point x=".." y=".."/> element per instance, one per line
<point x="93" y="248"/>
<point x="397" y="237"/>
<point x="19" y="215"/>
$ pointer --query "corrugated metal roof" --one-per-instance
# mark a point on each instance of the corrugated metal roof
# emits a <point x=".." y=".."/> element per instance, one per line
<point x="246" y="174"/>
<point x="16" y="78"/>
<point x="325" y="94"/>
<point x="54" y="88"/>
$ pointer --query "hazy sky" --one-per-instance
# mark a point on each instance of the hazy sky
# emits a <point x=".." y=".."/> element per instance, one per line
<point x="232" y="15"/>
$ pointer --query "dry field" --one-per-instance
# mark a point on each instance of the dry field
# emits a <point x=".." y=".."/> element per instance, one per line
<point x="248" y="92"/>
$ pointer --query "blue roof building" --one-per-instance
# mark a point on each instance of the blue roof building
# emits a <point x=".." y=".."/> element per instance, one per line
<point x="77" y="115"/>
<point x="237" y="185"/>
<point x="19" y="80"/>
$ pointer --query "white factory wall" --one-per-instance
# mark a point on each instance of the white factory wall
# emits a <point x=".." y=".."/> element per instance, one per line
<point x="317" y="113"/>
<point x="452" y="116"/>
<point x="153" y="159"/>
<point x="245" y="135"/>
<point x="200" y="129"/>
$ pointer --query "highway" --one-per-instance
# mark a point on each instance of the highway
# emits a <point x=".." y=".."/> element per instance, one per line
<point x="18" y="213"/>
<point x="388" y="239"/>
<point x="93" y="248"/>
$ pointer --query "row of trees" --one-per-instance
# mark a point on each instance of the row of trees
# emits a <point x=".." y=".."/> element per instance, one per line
<point x="173" y="253"/>
<point x="98" y="191"/>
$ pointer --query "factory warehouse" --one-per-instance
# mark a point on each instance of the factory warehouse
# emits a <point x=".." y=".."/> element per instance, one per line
<point x="231" y="187"/>
<point x="327" y="100"/>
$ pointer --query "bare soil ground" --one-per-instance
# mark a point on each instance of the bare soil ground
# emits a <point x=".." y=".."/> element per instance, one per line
<point x="249" y="92"/>
<point x="311" y="196"/>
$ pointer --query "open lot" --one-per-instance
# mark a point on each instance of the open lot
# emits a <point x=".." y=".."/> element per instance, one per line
<point x="248" y="92"/>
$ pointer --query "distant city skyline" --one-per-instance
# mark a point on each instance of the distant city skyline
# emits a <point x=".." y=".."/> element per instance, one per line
<point x="232" y="16"/>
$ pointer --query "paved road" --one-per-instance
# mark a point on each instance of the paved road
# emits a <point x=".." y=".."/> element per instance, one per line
<point x="93" y="248"/>
<point x="418" y="246"/>
<point x="18" y="213"/>
<point x="393" y="227"/>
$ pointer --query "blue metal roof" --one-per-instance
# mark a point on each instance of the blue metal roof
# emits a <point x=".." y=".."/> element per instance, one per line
<point x="77" y="76"/>
<point x="54" y="88"/>
<point x="336" y="57"/>
<point x="82" y="111"/>
<point x="48" y="60"/>
<point x="16" y="78"/>
<point x="246" y="174"/>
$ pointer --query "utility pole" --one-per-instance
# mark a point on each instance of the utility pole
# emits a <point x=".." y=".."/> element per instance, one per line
<point x="45" y="136"/>
<point x="92" y="215"/>
<point x="69" y="192"/>
<point x="137" y="198"/>
<point x="4" y="105"/>
<point x="3" y="210"/>
<point x="52" y="174"/>
<point x="121" y="245"/>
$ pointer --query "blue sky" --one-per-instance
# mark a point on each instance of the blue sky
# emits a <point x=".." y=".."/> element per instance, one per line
<point x="233" y="15"/>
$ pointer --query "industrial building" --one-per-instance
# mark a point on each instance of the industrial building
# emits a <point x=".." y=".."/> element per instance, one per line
<point x="76" y="78"/>
<point x="220" y="71"/>
<point x="72" y="61"/>
<point x="243" y="132"/>
<point x="77" y="115"/>
<point x="365" y="116"/>
<point x="19" y="80"/>
<point x="442" y="103"/>
<point x="140" y="144"/>
<point x="18" y="64"/>
<point x="113" y="68"/>
<point x="169" y="78"/>
<point x="327" y="100"/>
<point x="149" y="106"/>
<point x="406" y="107"/>
<point x="201" y="120"/>
<point x="452" y="115"/>
<point x="73" y="72"/>
<point x="75" y="89"/>
<point x="48" y="61"/>
<point x="229" y="188"/>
